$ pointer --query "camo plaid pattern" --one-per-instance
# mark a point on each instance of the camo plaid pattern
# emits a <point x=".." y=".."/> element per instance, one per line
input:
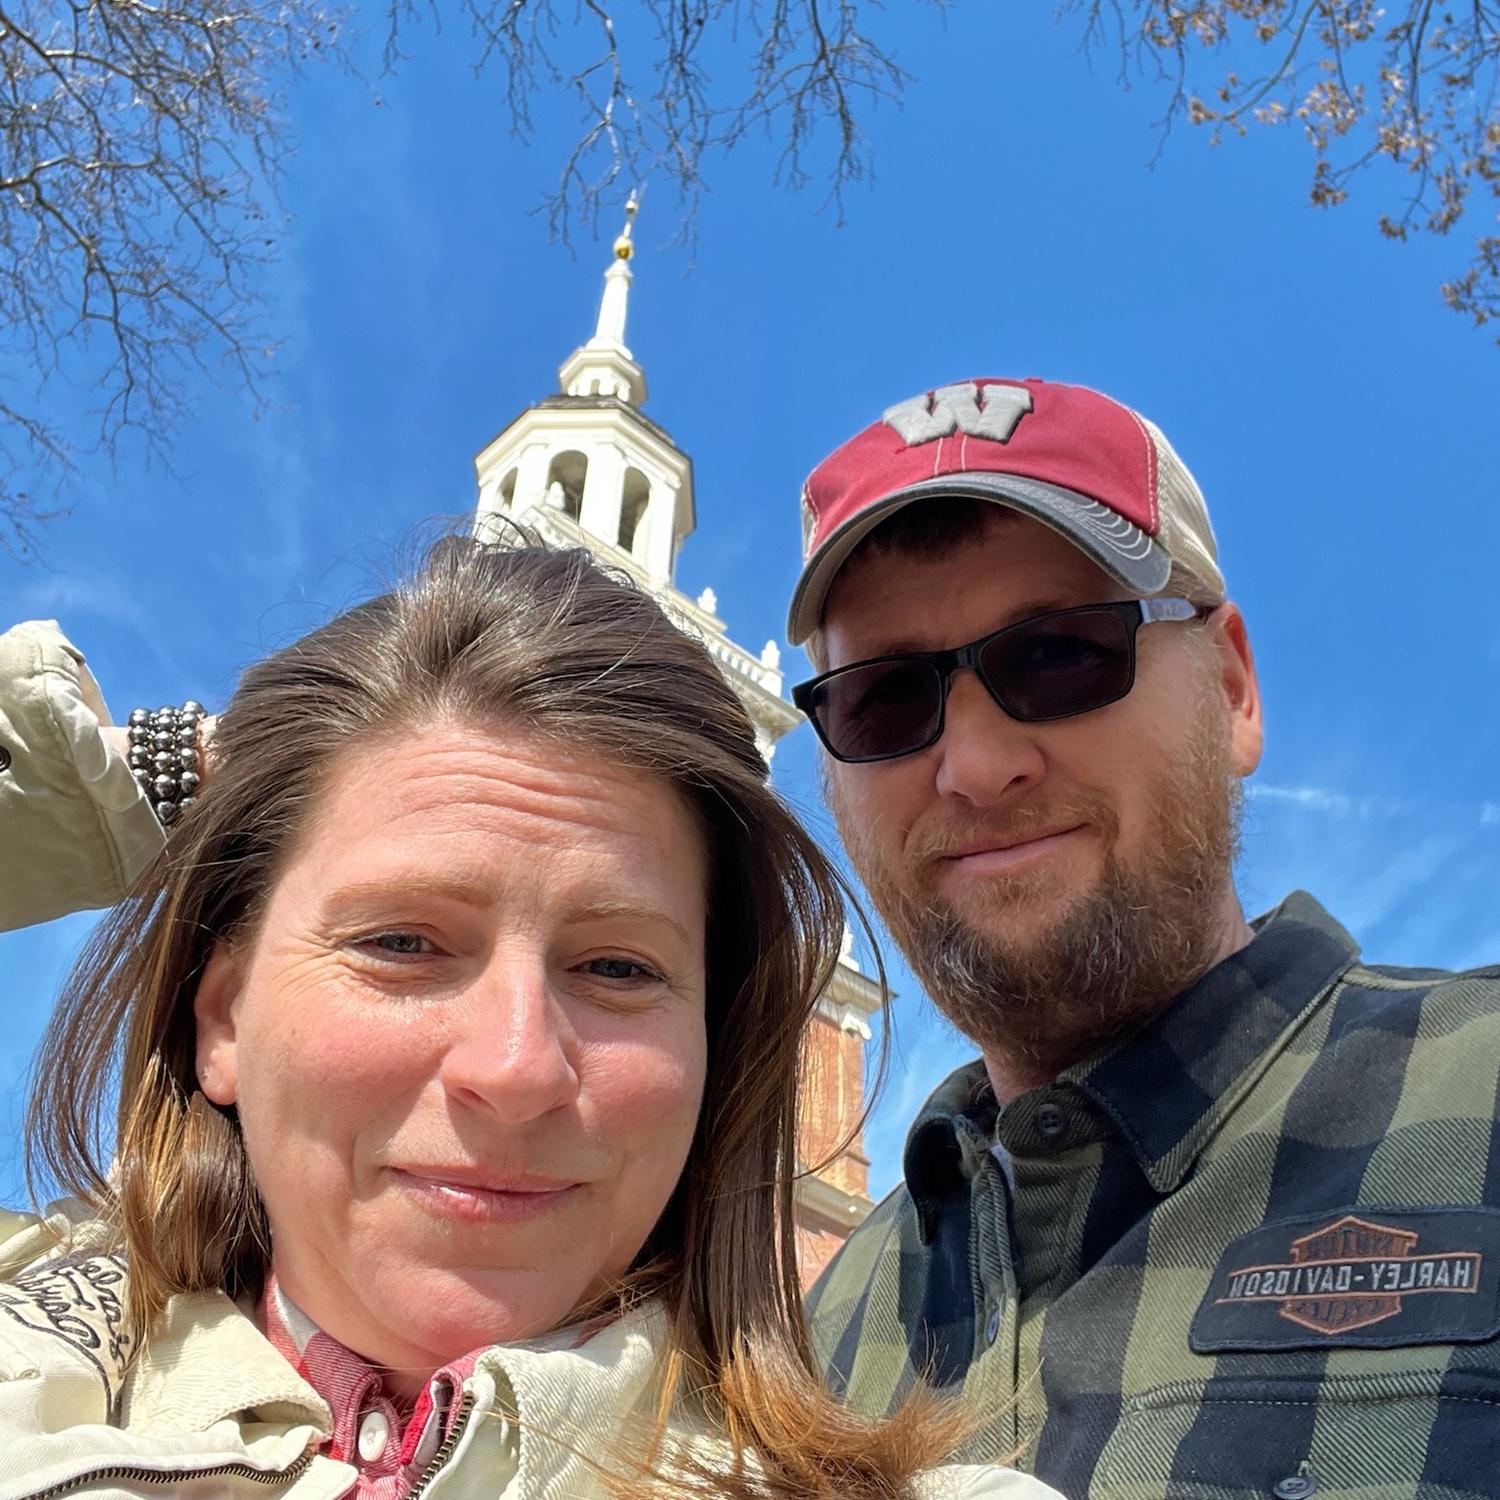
<point x="1070" y="1265"/>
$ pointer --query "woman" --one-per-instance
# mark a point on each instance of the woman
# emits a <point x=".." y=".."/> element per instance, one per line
<point x="457" y="1035"/>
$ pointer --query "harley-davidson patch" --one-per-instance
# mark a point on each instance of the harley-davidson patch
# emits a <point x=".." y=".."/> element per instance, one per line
<point x="1356" y="1278"/>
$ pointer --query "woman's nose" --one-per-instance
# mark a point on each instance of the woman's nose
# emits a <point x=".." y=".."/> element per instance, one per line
<point x="515" y="1054"/>
<point x="984" y="756"/>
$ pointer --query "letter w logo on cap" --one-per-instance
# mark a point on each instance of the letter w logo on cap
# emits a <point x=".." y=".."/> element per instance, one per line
<point x="953" y="408"/>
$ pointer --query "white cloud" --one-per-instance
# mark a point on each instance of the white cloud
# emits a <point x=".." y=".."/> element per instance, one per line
<point x="1320" y="799"/>
<point x="84" y="596"/>
<point x="1314" y="798"/>
<point x="77" y="593"/>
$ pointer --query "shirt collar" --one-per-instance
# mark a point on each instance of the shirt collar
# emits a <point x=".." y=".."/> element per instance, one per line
<point x="356" y="1395"/>
<point x="1169" y="1086"/>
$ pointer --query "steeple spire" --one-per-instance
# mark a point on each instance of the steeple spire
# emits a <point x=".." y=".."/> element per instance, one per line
<point x="603" y="366"/>
<point x="610" y="329"/>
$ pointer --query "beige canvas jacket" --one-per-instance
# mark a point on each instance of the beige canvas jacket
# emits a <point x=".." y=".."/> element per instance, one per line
<point x="209" y="1408"/>
<point x="74" y="827"/>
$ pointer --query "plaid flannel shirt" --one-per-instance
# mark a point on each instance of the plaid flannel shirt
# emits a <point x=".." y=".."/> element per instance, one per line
<point x="1253" y="1251"/>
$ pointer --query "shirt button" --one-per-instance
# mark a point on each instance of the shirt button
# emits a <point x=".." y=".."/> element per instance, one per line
<point x="4" y="758"/>
<point x="374" y="1434"/>
<point x="992" y="1326"/>
<point x="1050" y="1120"/>
<point x="1294" y="1487"/>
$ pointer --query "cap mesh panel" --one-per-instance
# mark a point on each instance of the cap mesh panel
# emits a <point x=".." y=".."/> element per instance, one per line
<point x="1185" y="528"/>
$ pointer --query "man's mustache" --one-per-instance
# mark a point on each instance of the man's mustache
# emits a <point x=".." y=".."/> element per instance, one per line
<point x="946" y="835"/>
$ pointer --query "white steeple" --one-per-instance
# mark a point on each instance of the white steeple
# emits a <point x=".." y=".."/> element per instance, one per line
<point x="610" y="329"/>
<point x="587" y="468"/>
<point x="603" y="366"/>
<point x="590" y="455"/>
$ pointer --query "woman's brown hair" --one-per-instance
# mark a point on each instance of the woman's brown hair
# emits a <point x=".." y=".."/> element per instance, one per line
<point x="547" y="642"/>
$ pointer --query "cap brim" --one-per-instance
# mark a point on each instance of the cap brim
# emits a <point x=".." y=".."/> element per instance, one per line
<point x="1120" y="547"/>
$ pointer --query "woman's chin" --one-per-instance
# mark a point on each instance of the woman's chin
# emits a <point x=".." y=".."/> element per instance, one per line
<point x="443" y="1314"/>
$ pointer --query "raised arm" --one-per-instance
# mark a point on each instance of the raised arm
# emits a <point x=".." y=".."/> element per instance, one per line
<point x="75" y="826"/>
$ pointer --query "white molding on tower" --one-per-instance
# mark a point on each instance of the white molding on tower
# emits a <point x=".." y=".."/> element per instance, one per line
<point x="756" y="680"/>
<point x="830" y="1206"/>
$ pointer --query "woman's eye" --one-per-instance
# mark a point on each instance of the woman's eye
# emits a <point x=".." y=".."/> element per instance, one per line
<point x="397" y="944"/>
<point x="621" y="969"/>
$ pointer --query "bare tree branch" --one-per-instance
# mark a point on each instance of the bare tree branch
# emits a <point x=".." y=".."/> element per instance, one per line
<point x="808" y="71"/>
<point x="139" y="144"/>
<point x="1412" y="87"/>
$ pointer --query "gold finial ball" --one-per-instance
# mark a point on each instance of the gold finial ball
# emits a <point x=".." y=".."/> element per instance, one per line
<point x="623" y="248"/>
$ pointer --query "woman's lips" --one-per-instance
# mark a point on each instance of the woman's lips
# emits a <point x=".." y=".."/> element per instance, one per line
<point x="476" y="1201"/>
<point x="1008" y="858"/>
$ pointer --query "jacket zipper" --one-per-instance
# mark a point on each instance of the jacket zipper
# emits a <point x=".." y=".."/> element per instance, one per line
<point x="258" y="1476"/>
<point x="132" y="1475"/>
<point x="445" y="1451"/>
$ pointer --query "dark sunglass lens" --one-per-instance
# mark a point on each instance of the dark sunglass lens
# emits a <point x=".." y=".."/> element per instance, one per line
<point x="885" y="708"/>
<point x="1060" y="666"/>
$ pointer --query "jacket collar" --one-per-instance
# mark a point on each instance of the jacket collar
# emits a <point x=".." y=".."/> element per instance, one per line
<point x="206" y="1360"/>
<point x="1171" y="1087"/>
<point x="533" y="1410"/>
<point x="583" y="1388"/>
<point x="1167" y="1088"/>
<point x="585" y="1399"/>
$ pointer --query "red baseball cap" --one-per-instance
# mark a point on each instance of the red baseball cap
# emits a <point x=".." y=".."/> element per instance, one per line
<point x="1095" y="471"/>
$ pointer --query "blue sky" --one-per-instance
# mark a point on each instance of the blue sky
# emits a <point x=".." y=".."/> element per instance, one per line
<point x="1341" y="422"/>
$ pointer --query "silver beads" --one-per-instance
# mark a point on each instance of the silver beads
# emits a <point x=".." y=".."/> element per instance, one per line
<point x="164" y="757"/>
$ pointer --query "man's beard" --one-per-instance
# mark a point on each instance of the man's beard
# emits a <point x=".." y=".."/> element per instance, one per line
<point x="1116" y="954"/>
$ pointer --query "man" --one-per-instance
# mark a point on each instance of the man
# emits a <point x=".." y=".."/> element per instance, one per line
<point x="1216" y="1213"/>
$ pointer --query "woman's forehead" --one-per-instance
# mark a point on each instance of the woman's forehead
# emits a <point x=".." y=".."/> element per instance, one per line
<point x="464" y="802"/>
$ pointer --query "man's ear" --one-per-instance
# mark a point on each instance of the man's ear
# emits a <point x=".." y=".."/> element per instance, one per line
<point x="1241" y="688"/>
<point x="214" y="1013"/>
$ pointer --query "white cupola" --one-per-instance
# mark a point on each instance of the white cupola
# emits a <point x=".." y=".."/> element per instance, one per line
<point x="590" y="455"/>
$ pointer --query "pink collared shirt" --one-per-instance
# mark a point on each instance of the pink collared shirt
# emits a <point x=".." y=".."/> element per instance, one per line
<point x="390" y="1442"/>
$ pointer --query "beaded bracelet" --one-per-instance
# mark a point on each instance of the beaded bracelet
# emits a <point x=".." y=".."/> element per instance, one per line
<point x="164" y="750"/>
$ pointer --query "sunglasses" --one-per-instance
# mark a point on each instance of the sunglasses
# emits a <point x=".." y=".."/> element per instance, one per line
<point x="1054" y="666"/>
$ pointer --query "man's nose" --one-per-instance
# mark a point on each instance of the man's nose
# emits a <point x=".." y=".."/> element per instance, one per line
<point x="515" y="1051"/>
<point x="984" y="756"/>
